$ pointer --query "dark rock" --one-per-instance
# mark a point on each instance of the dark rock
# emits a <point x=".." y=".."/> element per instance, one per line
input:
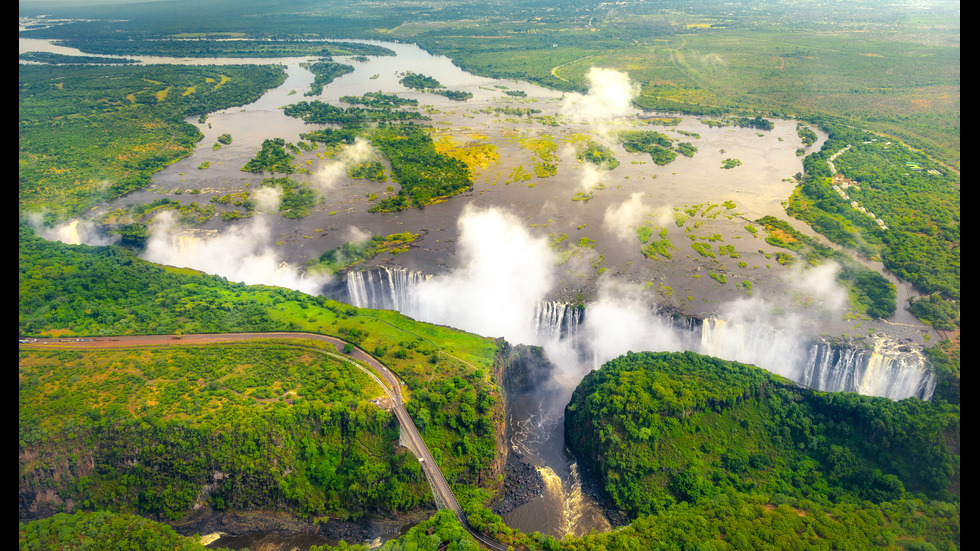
<point x="522" y="483"/>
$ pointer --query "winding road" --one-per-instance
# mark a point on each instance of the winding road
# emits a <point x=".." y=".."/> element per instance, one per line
<point x="444" y="497"/>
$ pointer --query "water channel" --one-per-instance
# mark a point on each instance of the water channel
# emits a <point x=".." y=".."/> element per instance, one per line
<point x="270" y="249"/>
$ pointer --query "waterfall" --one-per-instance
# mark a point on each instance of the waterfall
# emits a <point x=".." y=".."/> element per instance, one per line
<point x="556" y="320"/>
<point x="875" y="366"/>
<point x="884" y="367"/>
<point x="385" y="289"/>
<point x="572" y="503"/>
<point x="756" y="343"/>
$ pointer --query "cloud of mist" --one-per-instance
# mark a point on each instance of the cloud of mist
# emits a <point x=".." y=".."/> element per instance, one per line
<point x="820" y="285"/>
<point x="331" y="172"/>
<point x="357" y="152"/>
<point x="751" y="331"/>
<point x="73" y="232"/>
<point x="502" y="273"/>
<point x="241" y="253"/>
<point x="357" y="235"/>
<point x="267" y="199"/>
<point x="591" y="177"/>
<point x="610" y="96"/>
<point x="623" y="219"/>
<point x="622" y="319"/>
<point x="328" y="175"/>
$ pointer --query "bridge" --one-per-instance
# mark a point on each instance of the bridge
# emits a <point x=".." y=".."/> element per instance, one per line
<point x="442" y="493"/>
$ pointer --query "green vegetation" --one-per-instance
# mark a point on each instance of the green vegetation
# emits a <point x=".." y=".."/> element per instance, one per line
<point x="656" y="144"/>
<point x="419" y="82"/>
<point x="869" y="290"/>
<point x="425" y="175"/>
<point x="271" y="158"/>
<point x="317" y="112"/>
<point x="351" y="253"/>
<point x="679" y="427"/>
<point x="940" y="313"/>
<point x="730" y="163"/>
<point x="455" y="95"/>
<point x="720" y="278"/>
<point x="686" y="149"/>
<point x="62" y="59"/>
<point x="266" y="425"/>
<point x="296" y="199"/>
<point x="836" y="478"/>
<point x="598" y="155"/>
<point x="545" y="170"/>
<point x="103" y="531"/>
<point x="920" y="208"/>
<point x="662" y="248"/>
<point x="441" y="531"/>
<point x="224" y="139"/>
<point x="806" y="134"/>
<point x="745" y="122"/>
<point x="211" y="47"/>
<point x="324" y="72"/>
<point x="379" y="100"/>
<point x="90" y="134"/>
<point x="372" y="170"/>
<point x="454" y="404"/>
<point x="644" y="233"/>
<point x="703" y="249"/>
<point x="428" y="84"/>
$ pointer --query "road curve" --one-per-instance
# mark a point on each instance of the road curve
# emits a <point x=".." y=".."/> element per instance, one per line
<point x="388" y="381"/>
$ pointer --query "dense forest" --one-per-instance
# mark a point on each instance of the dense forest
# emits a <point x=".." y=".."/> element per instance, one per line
<point x="425" y="175"/>
<point x="661" y="429"/>
<point x="108" y="291"/>
<point x="917" y="199"/>
<point x="317" y="112"/>
<point x="324" y="72"/>
<point x="255" y="426"/>
<point x="90" y="134"/>
<point x="103" y="531"/>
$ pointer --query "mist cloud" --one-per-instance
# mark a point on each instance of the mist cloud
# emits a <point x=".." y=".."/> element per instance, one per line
<point x="73" y="232"/>
<point x="820" y="285"/>
<point x="267" y="199"/>
<point x="331" y="172"/>
<point x="240" y="254"/>
<point x="610" y="96"/>
<point x="502" y="273"/>
<point x="752" y="331"/>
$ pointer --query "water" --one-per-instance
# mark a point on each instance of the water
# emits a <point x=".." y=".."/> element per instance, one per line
<point x="537" y="424"/>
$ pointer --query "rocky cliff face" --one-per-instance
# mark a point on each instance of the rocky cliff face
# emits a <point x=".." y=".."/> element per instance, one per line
<point x="520" y="368"/>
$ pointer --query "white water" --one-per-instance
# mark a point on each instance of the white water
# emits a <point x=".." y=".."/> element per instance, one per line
<point x="600" y="331"/>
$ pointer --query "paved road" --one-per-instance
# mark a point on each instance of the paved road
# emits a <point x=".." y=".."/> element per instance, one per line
<point x="388" y="381"/>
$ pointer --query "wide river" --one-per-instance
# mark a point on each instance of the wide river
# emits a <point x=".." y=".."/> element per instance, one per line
<point x="563" y="248"/>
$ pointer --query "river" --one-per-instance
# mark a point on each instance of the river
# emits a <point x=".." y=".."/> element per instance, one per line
<point x="599" y="248"/>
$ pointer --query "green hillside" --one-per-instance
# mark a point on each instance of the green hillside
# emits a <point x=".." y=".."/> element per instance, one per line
<point x="153" y="429"/>
<point x="661" y="429"/>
